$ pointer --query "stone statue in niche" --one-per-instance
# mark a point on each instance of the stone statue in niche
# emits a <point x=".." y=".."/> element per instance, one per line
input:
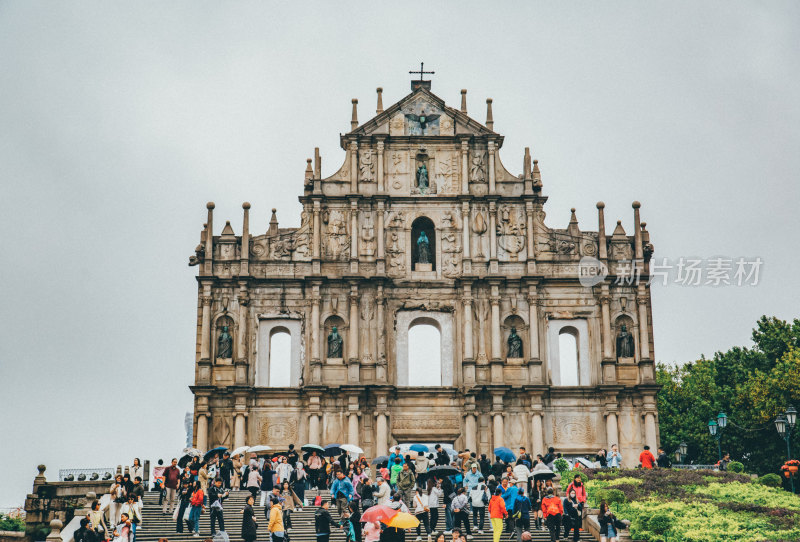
<point x="477" y="171"/>
<point x="335" y="343"/>
<point x="225" y="344"/>
<point x="422" y="178"/>
<point x="367" y="166"/>
<point x="625" y="345"/>
<point x="514" y="344"/>
<point x="423" y="248"/>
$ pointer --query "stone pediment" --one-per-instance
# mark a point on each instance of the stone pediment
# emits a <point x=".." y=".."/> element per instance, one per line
<point x="421" y="113"/>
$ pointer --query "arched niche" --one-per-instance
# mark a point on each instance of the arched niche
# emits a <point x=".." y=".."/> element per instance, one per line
<point x="443" y="321"/>
<point x="422" y="225"/>
<point x="280" y="357"/>
<point x="222" y="321"/>
<point x="424" y="353"/>
<point x="627" y="321"/>
<point x="515" y="321"/>
<point x="577" y="329"/>
<point x="332" y="321"/>
<point x="267" y="327"/>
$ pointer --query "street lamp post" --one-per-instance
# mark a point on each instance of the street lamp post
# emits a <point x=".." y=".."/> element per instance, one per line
<point x="785" y="423"/>
<point x="715" y="427"/>
<point x="680" y="453"/>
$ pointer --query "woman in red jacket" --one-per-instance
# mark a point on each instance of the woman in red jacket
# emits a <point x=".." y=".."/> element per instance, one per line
<point x="497" y="513"/>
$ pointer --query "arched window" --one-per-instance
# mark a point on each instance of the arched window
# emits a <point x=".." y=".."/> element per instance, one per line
<point x="424" y="355"/>
<point x="568" y="356"/>
<point x="280" y="358"/>
<point x="423" y="244"/>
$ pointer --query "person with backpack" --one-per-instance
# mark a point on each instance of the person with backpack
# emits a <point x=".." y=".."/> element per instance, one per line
<point x="275" y="516"/>
<point x="460" y="506"/>
<point x="497" y="513"/>
<point x="479" y="498"/>
<point x="216" y="494"/>
<point x="663" y="461"/>
<point x="406" y="480"/>
<point x="553" y="510"/>
<point x="522" y="513"/>
<point x="573" y="510"/>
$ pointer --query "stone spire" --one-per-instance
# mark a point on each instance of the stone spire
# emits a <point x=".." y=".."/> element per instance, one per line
<point x="245" y="251"/>
<point x="601" y="231"/>
<point x="209" y="255"/>
<point x="526" y="164"/>
<point x="537" y="175"/>
<point x="489" y="118"/>
<point x="309" y="172"/>
<point x="379" y="110"/>
<point x="637" y="232"/>
<point x="464" y="101"/>
<point x="273" y="223"/>
<point x="573" y="225"/>
<point x="354" y="119"/>
<point x="317" y="164"/>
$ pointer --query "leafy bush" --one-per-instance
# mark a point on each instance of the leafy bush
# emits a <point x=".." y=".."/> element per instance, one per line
<point x="611" y="496"/>
<point x="735" y="466"/>
<point x="561" y="465"/>
<point x="7" y="523"/>
<point x="659" y="523"/>
<point x="770" y="480"/>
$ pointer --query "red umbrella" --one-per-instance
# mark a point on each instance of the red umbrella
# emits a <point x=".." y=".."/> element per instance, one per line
<point x="380" y="512"/>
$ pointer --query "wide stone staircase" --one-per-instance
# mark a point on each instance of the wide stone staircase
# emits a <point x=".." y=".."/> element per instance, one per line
<point x="155" y="525"/>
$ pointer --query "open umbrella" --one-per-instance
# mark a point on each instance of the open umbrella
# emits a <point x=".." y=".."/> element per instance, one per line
<point x="403" y="520"/>
<point x="380" y="459"/>
<point x="214" y="451"/>
<point x="443" y="470"/>
<point x="194" y="452"/>
<point x="185" y="460"/>
<point x="505" y="454"/>
<point x="239" y="451"/>
<point x="258" y="450"/>
<point x="332" y="450"/>
<point x="351" y="448"/>
<point x="541" y="472"/>
<point x="380" y="512"/>
<point x="312" y="448"/>
<point x="419" y="448"/>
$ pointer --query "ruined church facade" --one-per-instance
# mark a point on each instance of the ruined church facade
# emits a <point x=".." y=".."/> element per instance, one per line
<point x="423" y="225"/>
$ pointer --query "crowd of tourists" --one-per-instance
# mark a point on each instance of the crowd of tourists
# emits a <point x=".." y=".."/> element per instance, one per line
<point x="452" y="494"/>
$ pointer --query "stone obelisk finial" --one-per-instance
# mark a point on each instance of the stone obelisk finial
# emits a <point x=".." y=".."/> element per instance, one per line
<point x="379" y="110"/>
<point x="464" y="101"/>
<point x="601" y="231"/>
<point x="354" y="120"/>
<point x="489" y="117"/>
<point x="637" y="232"/>
<point x="526" y="164"/>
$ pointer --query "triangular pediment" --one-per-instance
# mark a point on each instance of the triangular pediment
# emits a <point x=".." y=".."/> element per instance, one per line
<point x="421" y="113"/>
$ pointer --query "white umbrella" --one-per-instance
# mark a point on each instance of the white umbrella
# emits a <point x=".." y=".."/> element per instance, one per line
<point x="259" y="448"/>
<point x="353" y="449"/>
<point x="194" y="452"/>
<point x="239" y="451"/>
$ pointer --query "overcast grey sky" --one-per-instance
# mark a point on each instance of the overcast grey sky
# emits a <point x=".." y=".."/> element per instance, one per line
<point x="121" y="120"/>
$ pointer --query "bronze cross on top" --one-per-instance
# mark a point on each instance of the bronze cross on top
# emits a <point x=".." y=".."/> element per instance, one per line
<point x="422" y="71"/>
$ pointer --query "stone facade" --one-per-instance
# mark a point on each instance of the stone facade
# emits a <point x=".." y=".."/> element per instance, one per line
<point x="490" y="264"/>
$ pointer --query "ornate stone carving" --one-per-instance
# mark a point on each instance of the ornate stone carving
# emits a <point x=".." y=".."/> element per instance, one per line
<point x="398" y="169"/>
<point x="280" y="429"/>
<point x="335" y="343"/>
<point x="511" y="232"/>
<point x="396" y="221"/>
<point x="572" y="430"/>
<point x="282" y="248"/>
<point x="338" y="240"/>
<point x="224" y="344"/>
<point x="479" y="227"/>
<point x="451" y="257"/>
<point x="447" y="174"/>
<point x="396" y="251"/>
<point x="303" y="237"/>
<point x="221" y="430"/>
<point x="426" y="422"/>
<point x="366" y="166"/>
<point x="625" y="347"/>
<point x="477" y="170"/>
<point x="368" y="237"/>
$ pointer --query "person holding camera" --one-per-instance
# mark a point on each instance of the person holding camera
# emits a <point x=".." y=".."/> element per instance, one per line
<point x="217" y="494"/>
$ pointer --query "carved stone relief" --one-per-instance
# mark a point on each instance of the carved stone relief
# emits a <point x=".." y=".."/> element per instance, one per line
<point x="451" y="257"/>
<point x="477" y="170"/>
<point x="573" y="430"/>
<point x="278" y="429"/>
<point x="338" y="240"/>
<point x="367" y="240"/>
<point x="510" y="232"/>
<point x="366" y="166"/>
<point x="447" y="173"/>
<point x="398" y="169"/>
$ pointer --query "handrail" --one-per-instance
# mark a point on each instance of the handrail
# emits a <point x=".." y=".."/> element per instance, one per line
<point x="68" y="532"/>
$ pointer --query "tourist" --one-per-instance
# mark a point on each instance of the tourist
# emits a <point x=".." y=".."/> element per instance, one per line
<point x="283" y="470"/>
<point x="298" y="480"/>
<point x="449" y="492"/>
<point x="372" y="531"/>
<point x="406" y="479"/>
<point x="275" y="524"/>
<point x="137" y="490"/>
<point x="355" y="519"/>
<point x="460" y="506"/>
<point x="292" y="456"/>
<point x="341" y="491"/>
<point x="498" y="468"/>
<point x="485" y="466"/>
<point x="420" y="507"/>
<point x="509" y="494"/>
<point x="131" y="509"/>
<point x="366" y="491"/>
<point x="267" y="481"/>
<point x="723" y="463"/>
<point x="384" y="493"/>
<point x="549" y="457"/>
<point x="323" y="522"/>
<point x="395" y="455"/>
<point x="522" y="514"/>
<point x="646" y="458"/>
<point x="346" y="524"/>
<point x="434" y="494"/>
<point x="663" y="461"/>
<point x="521" y="472"/>
<point x="252" y="478"/>
<point x="236" y="481"/>
<point x="216" y="494"/>
<point x="600" y="457"/>
<point x="397" y="503"/>
<point x="194" y="467"/>
<point x="473" y="477"/>
<point x="172" y="478"/>
<point x="136" y="469"/>
<point x="573" y="512"/>
<point x="553" y="511"/>
<point x="525" y="457"/>
<point x="314" y="466"/>
<point x="421" y="468"/>
<point x="497" y="514"/>
<point x="184" y="496"/>
<point x="442" y="457"/>
<point x="118" y="498"/>
<point x="291" y="502"/>
<point x="249" y="525"/>
<point x="536" y="496"/>
<point x="123" y="529"/>
<point x="85" y="533"/>
<point x="202" y="477"/>
<point x="614" y="458"/>
<point x="479" y="498"/>
<point x="397" y="466"/>
<point x="97" y="519"/>
<point x="548" y="484"/>
<point x="196" y="501"/>
<point x="609" y="524"/>
<point x="580" y="489"/>
<point x="226" y="470"/>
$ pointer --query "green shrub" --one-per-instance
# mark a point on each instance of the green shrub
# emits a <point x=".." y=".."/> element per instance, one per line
<point x="735" y="466"/>
<point x="770" y="480"/>
<point x="8" y="523"/>
<point x="611" y="496"/>
<point x="561" y="465"/>
<point x="659" y="523"/>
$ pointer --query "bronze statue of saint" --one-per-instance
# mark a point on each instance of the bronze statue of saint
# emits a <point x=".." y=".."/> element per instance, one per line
<point x="335" y="342"/>
<point x="624" y="343"/>
<point x="422" y="177"/>
<point x="423" y="248"/>
<point x="514" y="344"/>
<point x="225" y="344"/>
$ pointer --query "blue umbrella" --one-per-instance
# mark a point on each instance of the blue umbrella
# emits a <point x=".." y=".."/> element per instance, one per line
<point x="505" y="454"/>
<point x="419" y="448"/>
<point x="211" y="453"/>
<point x="332" y="450"/>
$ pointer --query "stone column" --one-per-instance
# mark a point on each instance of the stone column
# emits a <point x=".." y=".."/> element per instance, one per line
<point x="529" y="223"/>
<point x="611" y="429"/>
<point x="208" y="267"/>
<point x="492" y="230"/>
<point x="499" y="429"/>
<point x="317" y="236"/>
<point x="205" y="324"/>
<point x="239" y="431"/>
<point x="465" y="171"/>
<point x="381" y="180"/>
<point x="533" y="319"/>
<point x="353" y="338"/>
<point x="537" y="436"/>
<point x="313" y="429"/>
<point x="492" y="178"/>
<point x="381" y="429"/>
<point x="243" y="299"/>
<point x="465" y="215"/>
<point x="644" y="336"/>
<point x="381" y="249"/>
<point x="202" y="432"/>
<point x="608" y="340"/>
<point x="495" y="299"/>
<point x="353" y="167"/>
<point x="354" y="233"/>
<point x="650" y="430"/>
<point x="471" y="432"/>
<point x="245" y="248"/>
<point x="316" y="344"/>
<point x="468" y="353"/>
<point x="352" y="428"/>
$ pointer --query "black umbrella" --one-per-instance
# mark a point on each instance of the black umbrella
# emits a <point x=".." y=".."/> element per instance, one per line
<point x="185" y="460"/>
<point x="380" y="459"/>
<point x="332" y="450"/>
<point x="211" y="453"/>
<point x="443" y="470"/>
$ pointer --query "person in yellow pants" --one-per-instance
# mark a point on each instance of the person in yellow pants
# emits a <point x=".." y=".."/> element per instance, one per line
<point x="497" y="513"/>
